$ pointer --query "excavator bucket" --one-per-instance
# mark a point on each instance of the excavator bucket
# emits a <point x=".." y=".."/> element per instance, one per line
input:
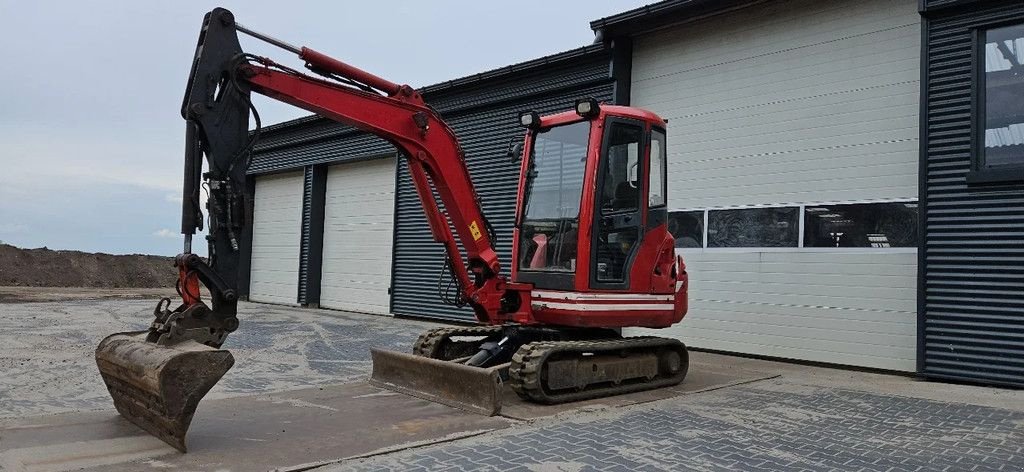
<point x="473" y="389"/>
<point x="159" y="387"/>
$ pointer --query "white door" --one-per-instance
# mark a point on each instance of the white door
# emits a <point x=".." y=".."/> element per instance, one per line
<point x="782" y="104"/>
<point x="276" y="230"/>
<point x="358" y="222"/>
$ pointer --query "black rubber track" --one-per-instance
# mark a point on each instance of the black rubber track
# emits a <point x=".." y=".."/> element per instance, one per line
<point x="526" y="373"/>
<point x="437" y="343"/>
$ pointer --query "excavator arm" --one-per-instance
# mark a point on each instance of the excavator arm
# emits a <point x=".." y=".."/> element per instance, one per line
<point x="158" y="376"/>
<point x="217" y="109"/>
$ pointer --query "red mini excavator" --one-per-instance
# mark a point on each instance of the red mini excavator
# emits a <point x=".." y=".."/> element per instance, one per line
<point x="591" y="251"/>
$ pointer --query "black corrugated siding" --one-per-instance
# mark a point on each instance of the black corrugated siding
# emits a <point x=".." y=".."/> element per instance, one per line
<point x="304" y="240"/>
<point x="934" y="5"/>
<point x="973" y="253"/>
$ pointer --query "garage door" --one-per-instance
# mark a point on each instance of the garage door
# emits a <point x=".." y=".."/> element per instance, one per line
<point x="785" y="117"/>
<point x="358" y="222"/>
<point x="276" y="227"/>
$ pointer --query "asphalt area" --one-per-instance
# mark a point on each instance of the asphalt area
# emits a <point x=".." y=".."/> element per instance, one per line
<point x="297" y="399"/>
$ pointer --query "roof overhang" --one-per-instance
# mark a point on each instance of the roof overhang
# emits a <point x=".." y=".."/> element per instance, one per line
<point x="663" y="14"/>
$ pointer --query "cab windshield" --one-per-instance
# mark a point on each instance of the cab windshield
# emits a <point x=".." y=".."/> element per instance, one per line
<point x="551" y="206"/>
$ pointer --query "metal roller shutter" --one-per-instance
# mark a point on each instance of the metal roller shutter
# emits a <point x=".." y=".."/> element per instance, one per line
<point x="358" y="227"/>
<point x="276" y="231"/>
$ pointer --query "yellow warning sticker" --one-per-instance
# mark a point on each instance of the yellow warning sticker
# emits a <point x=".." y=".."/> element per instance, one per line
<point x="475" y="231"/>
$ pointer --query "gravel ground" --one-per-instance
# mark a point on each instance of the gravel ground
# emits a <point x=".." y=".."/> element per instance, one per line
<point x="46" y="350"/>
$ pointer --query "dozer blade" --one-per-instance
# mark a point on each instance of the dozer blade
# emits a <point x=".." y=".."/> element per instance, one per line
<point x="159" y="387"/>
<point x="473" y="389"/>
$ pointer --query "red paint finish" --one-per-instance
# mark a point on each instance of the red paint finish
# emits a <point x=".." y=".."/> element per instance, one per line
<point x="188" y="286"/>
<point x="330" y="64"/>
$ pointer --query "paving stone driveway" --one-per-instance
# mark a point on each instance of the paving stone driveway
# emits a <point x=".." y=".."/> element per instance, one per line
<point x="769" y="425"/>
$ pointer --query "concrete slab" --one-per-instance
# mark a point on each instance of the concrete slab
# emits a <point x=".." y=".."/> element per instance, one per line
<point x="275" y="431"/>
<point x="293" y="430"/>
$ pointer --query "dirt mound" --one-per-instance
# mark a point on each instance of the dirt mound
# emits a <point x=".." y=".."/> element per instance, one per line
<point x="48" y="268"/>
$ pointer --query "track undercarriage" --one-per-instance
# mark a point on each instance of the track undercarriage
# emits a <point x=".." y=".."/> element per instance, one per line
<point x="542" y="365"/>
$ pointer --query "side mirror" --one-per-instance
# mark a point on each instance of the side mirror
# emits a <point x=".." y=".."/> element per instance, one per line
<point x="515" y="150"/>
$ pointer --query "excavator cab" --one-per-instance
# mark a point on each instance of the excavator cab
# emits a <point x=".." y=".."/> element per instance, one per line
<point x="592" y="216"/>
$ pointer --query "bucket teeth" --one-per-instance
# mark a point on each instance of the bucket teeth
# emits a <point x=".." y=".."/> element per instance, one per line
<point x="158" y="388"/>
<point x="473" y="389"/>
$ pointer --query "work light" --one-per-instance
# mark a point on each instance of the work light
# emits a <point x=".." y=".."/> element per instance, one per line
<point x="587" y="107"/>
<point x="529" y="119"/>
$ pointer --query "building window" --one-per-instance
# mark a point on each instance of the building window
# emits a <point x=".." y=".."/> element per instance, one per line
<point x="687" y="227"/>
<point x="656" y="182"/>
<point x="1000" y="100"/>
<point x="754" y="227"/>
<point x="861" y="225"/>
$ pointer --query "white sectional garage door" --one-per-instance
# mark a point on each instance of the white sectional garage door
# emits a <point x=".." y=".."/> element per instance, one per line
<point x="358" y="224"/>
<point x="785" y="104"/>
<point x="276" y="230"/>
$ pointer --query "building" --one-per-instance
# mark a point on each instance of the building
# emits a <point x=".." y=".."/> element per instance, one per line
<point x="805" y="140"/>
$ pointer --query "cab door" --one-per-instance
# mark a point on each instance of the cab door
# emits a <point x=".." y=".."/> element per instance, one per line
<point x="620" y="203"/>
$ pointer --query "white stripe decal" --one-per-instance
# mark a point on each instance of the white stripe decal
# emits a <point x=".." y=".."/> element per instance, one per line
<point x="605" y="306"/>
<point x="602" y="296"/>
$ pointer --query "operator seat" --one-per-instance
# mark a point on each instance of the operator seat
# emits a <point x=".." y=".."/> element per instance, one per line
<point x="626" y="197"/>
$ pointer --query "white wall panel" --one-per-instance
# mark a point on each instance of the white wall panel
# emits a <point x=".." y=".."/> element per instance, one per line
<point x="787" y="102"/>
<point x="853" y="307"/>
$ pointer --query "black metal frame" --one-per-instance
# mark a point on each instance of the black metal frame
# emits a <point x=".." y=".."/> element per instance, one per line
<point x="657" y="215"/>
<point x="641" y="203"/>
<point x="982" y="173"/>
<point x="922" y="192"/>
<point x="314" y="202"/>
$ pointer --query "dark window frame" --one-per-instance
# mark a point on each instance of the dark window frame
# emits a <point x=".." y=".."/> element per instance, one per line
<point x="599" y="210"/>
<point x="980" y="173"/>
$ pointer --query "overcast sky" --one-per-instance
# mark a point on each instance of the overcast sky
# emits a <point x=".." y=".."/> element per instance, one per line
<point x="90" y="132"/>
